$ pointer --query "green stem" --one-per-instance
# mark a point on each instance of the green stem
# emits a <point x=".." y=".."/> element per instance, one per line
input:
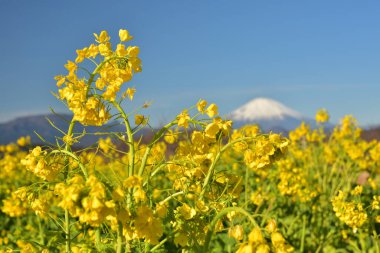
<point x="303" y="233"/>
<point x="172" y="196"/>
<point x="156" y="170"/>
<point x="131" y="153"/>
<point x="76" y="158"/>
<point x="67" y="215"/>
<point x="41" y="231"/>
<point x="97" y="238"/>
<point x="119" y="247"/>
<point x="67" y="231"/>
<point x="209" y="174"/>
<point x="376" y="238"/>
<point x="246" y="189"/>
<point x="158" y="245"/>
<point x="213" y="164"/>
<point x="156" y="138"/>
<point x="68" y="147"/>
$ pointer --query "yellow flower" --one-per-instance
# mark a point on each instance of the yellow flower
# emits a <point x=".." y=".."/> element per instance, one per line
<point x="121" y="50"/>
<point x="357" y="190"/>
<point x="14" y="206"/>
<point x="211" y="130"/>
<point x="236" y="232"/>
<point x="277" y="239"/>
<point x="171" y="137"/>
<point x="197" y="138"/>
<point x="92" y="51"/>
<point x="140" y="119"/>
<point x="23" y="141"/>
<point x="130" y="93"/>
<point x="133" y="51"/>
<point x="181" y="239"/>
<point x="71" y="67"/>
<point x="124" y="35"/>
<point x="147" y="226"/>
<point x="187" y="212"/>
<point x="201" y="105"/>
<point x="375" y="205"/>
<point x="69" y="139"/>
<point x="161" y="210"/>
<point x="322" y="116"/>
<point x="60" y="80"/>
<point x="263" y="248"/>
<point x="183" y="119"/>
<point x="81" y="54"/>
<point x="106" y="145"/>
<point x="139" y="195"/>
<point x="256" y="237"/>
<point x="36" y="151"/>
<point x="212" y="110"/>
<point x="102" y="37"/>
<point x="271" y="226"/>
<point x="201" y="206"/>
<point x="133" y="181"/>
<point x="146" y="104"/>
<point x="25" y="247"/>
<point x="245" y="248"/>
<point x="100" y="83"/>
<point x="225" y="126"/>
<point x="105" y="49"/>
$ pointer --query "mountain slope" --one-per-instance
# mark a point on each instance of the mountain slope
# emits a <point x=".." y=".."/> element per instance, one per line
<point x="269" y="114"/>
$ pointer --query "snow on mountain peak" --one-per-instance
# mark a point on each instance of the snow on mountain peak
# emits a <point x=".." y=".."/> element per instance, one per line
<point x="264" y="109"/>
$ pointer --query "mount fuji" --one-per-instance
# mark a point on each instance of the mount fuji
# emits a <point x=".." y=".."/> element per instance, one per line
<point x="269" y="114"/>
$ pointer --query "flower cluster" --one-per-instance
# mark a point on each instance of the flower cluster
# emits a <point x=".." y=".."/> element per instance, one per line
<point x="42" y="167"/>
<point x="87" y="97"/>
<point x="258" y="244"/>
<point x="85" y="199"/>
<point x="351" y="213"/>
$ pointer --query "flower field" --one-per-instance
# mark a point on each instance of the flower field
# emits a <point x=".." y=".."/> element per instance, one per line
<point x="199" y="185"/>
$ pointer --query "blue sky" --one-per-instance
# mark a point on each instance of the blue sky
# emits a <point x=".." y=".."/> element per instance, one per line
<point x="306" y="54"/>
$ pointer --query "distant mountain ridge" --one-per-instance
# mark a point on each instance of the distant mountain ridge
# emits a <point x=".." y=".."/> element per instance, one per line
<point x="28" y="125"/>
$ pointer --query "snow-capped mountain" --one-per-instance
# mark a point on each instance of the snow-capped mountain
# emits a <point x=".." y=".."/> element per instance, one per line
<point x="269" y="114"/>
